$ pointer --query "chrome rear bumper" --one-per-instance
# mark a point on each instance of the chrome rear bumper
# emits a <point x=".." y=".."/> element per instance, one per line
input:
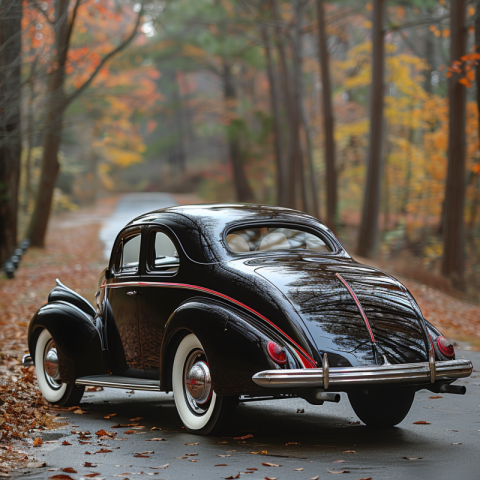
<point x="338" y="377"/>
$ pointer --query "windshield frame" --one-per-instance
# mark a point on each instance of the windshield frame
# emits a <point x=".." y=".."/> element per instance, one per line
<point x="334" y="245"/>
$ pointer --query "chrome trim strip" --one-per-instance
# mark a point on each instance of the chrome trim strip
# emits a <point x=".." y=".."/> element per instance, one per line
<point x="27" y="361"/>
<point x="117" y="381"/>
<point x="359" y="306"/>
<point x="432" y="365"/>
<point x="406" y="373"/>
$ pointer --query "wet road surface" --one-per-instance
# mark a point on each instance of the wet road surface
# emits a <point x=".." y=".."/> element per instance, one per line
<point x="130" y="206"/>
<point x="316" y="441"/>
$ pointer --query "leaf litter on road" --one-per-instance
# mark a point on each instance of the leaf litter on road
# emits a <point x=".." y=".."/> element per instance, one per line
<point x="338" y="471"/>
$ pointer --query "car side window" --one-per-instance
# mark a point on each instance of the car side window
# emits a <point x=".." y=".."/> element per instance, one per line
<point x="164" y="257"/>
<point x="130" y="254"/>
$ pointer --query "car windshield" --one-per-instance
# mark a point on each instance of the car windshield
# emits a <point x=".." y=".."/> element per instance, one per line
<point x="266" y="238"/>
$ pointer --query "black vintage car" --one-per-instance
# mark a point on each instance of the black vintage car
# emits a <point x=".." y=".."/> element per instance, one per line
<point x="217" y="303"/>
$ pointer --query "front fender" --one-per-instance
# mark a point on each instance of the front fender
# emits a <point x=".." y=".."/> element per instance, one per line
<point x="76" y="338"/>
<point x="234" y="346"/>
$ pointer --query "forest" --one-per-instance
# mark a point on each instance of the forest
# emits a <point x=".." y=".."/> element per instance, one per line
<point x="362" y="113"/>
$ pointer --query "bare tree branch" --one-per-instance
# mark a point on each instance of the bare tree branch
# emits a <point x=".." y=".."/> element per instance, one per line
<point x="105" y="59"/>
<point x="417" y="23"/>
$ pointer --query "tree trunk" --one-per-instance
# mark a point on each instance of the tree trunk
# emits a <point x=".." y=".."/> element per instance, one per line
<point x="368" y="237"/>
<point x="453" y="265"/>
<point x="328" y="119"/>
<point x="55" y="108"/>
<point x="10" y="126"/>
<point x="297" y="166"/>
<point x="242" y="187"/>
<point x="287" y="95"/>
<point x="281" y="187"/>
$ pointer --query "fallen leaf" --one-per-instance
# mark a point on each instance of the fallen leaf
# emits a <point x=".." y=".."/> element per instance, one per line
<point x="457" y="443"/>
<point x="104" y="433"/>
<point x="104" y="450"/>
<point x="293" y="443"/>
<point x="155" y="428"/>
<point x="300" y="410"/>
<point x="421" y="422"/>
<point x="366" y="478"/>
<point x="195" y="454"/>
<point x="252" y="469"/>
<point x="36" y="464"/>
<point x="79" y="411"/>
<point x="349" y="451"/>
<point x="37" y="442"/>
<point x="315" y="478"/>
<point x="244" y="437"/>
<point x="84" y="443"/>
<point x="338" y="461"/>
<point x="180" y="458"/>
<point x="88" y="464"/>
<point x="94" y="389"/>
<point x="161" y="467"/>
<point x="231" y="477"/>
<point x="338" y="471"/>
<point x="193" y="460"/>
<point x="136" y="418"/>
<point x="266" y="464"/>
<point x="221" y="465"/>
<point x="131" y="391"/>
<point x="158" y="440"/>
<point x="412" y="458"/>
<point x="270" y="478"/>
<point x="110" y="415"/>
<point x="193" y="443"/>
<point x="69" y="470"/>
<point x="448" y="430"/>
<point x="88" y="453"/>
<point x="129" y="432"/>
<point x="298" y="469"/>
<point x="62" y="477"/>
<point x="142" y="456"/>
<point x="95" y="474"/>
<point x="434" y="398"/>
<point x="65" y="443"/>
<point x="225" y="456"/>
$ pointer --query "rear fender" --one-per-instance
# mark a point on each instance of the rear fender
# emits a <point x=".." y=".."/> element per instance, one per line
<point x="235" y="347"/>
<point x="76" y="338"/>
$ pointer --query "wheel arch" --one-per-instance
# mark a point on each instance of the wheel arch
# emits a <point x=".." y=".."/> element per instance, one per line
<point x="76" y="338"/>
<point x="234" y="345"/>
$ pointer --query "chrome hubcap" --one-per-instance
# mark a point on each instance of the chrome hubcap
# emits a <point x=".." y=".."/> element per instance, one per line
<point x="198" y="383"/>
<point x="50" y="365"/>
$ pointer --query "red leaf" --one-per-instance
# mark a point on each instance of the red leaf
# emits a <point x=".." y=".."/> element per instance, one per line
<point x="69" y="470"/>
<point x="65" y="443"/>
<point x="421" y="422"/>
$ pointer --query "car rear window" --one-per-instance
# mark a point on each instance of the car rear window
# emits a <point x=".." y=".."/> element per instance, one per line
<point x="267" y="238"/>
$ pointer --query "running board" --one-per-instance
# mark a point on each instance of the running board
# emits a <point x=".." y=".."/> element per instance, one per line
<point x="117" y="381"/>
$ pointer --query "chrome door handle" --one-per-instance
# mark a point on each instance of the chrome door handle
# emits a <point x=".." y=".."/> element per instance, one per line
<point x="133" y="292"/>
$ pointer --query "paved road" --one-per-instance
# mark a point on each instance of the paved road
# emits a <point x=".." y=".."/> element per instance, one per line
<point x="449" y="447"/>
<point x="131" y="205"/>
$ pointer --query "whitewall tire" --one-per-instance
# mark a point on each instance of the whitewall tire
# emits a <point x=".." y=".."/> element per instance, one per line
<point x="48" y="375"/>
<point x="201" y="410"/>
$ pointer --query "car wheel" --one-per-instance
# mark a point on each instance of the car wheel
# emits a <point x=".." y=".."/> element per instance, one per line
<point x="201" y="410"/>
<point x="382" y="407"/>
<point x="48" y="374"/>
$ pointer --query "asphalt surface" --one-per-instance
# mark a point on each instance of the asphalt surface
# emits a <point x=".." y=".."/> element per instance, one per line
<point x="130" y="206"/>
<point x="316" y="440"/>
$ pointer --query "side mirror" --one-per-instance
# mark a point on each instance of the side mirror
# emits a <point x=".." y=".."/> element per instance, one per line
<point x="108" y="275"/>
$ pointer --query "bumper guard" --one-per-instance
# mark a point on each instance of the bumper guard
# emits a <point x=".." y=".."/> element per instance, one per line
<point x="337" y="377"/>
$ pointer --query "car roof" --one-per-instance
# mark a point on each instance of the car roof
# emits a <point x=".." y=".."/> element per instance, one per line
<point x="202" y="225"/>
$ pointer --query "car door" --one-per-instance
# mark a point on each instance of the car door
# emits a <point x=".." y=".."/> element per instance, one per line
<point x="160" y="296"/>
<point x="122" y="293"/>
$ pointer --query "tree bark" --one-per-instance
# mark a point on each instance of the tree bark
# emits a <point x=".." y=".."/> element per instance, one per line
<point x="297" y="166"/>
<point x="10" y="123"/>
<point x="328" y="119"/>
<point x="453" y="265"/>
<point x="281" y="187"/>
<point x="242" y="187"/>
<point x="368" y="236"/>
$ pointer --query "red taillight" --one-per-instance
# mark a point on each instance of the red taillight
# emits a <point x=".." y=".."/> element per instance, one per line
<point x="276" y="352"/>
<point x="445" y="346"/>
